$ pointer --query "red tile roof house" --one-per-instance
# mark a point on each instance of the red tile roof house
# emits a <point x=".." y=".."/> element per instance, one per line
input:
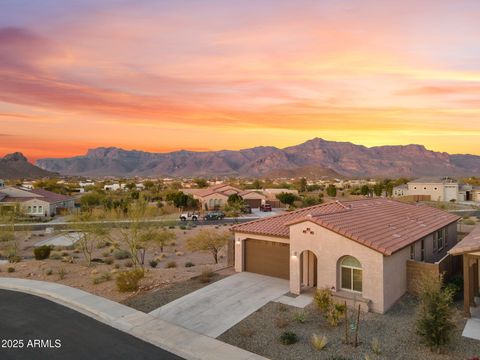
<point x="216" y="197"/>
<point x="358" y="248"/>
<point x="36" y="202"/>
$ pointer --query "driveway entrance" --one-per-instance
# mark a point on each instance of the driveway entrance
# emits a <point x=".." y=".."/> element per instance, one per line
<point x="215" y="308"/>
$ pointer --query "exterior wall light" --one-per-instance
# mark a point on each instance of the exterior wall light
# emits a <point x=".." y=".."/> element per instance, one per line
<point x="294" y="255"/>
<point x="237" y="242"/>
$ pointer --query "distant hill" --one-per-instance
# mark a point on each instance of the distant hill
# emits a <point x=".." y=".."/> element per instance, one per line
<point x="16" y="166"/>
<point x="316" y="155"/>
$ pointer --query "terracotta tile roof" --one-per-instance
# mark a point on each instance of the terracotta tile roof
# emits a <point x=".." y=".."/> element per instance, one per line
<point x="381" y="224"/>
<point x="469" y="243"/>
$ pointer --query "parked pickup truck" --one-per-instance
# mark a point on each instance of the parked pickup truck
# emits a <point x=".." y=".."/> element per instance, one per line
<point x="214" y="215"/>
<point x="193" y="216"/>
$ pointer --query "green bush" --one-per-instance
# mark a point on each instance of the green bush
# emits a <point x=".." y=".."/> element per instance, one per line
<point x="120" y="254"/>
<point x="331" y="310"/>
<point x="153" y="263"/>
<point x="42" y="252"/>
<point x="48" y="272"/>
<point x="11" y="269"/>
<point x="129" y="280"/>
<point x="434" y="322"/>
<point x="189" y="264"/>
<point x="14" y="258"/>
<point x="288" y="338"/>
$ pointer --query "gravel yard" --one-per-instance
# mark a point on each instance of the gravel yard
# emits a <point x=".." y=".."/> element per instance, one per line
<point x="152" y="300"/>
<point x="260" y="333"/>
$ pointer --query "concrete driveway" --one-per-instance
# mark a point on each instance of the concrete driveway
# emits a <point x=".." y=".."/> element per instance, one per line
<point x="215" y="308"/>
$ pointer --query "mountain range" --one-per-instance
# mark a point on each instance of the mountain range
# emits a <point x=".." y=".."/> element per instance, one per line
<point x="16" y="166"/>
<point x="314" y="158"/>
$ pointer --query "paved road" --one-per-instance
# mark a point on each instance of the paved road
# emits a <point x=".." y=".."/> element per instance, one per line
<point x="27" y="317"/>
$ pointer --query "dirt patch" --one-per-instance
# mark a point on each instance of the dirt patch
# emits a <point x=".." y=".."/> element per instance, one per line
<point x="260" y="333"/>
<point x="150" y="301"/>
<point x="67" y="266"/>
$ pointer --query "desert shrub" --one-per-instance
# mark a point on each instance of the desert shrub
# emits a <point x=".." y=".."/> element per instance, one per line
<point x="281" y="322"/>
<point x="153" y="263"/>
<point x="108" y="261"/>
<point x="288" y="338"/>
<point x="106" y="276"/>
<point x="171" y="265"/>
<point x="189" y="264"/>
<point x="281" y="307"/>
<point x="14" y="258"/>
<point x="331" y="310"/>
<point x="183" y="227"/>
<point x="121" y="254"/>
<point x="10" y="269"/>
<point x="62" y="273"/>
<point x="116" y="266"/>
<point x="97" y="260"/>
<point x="129" y="280"/>
<point x="323" y="299"/>
<point x="171" y="227"/>
<point x="48" y="272"/>
<point x="128" y="264"/>
<point x="65" y="253"/>
<point x="300" y="316"/>
<point x="319" y="342"/>
<point x="375" y="345"/>
<point x="179" y="253"/>
<point x="206" y="276"/>
<point x="469" y="222"/>
<point x="42" y="252"/>
<point x="106" y="253"/>
<point x="434" y="319"/>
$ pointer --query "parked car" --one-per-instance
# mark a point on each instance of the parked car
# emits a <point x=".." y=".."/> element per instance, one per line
<point x="193" y="216"/>
<point x="214" y="215"/>
<point x="266" y="207"/>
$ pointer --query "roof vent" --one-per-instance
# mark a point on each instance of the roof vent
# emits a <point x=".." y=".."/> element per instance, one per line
<point x="309" y="216"/>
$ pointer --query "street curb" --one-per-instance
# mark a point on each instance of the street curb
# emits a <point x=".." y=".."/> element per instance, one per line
<point x="173" y="338"/>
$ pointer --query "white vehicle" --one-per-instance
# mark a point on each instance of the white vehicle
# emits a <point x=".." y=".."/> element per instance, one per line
<point x="189" y="216"/>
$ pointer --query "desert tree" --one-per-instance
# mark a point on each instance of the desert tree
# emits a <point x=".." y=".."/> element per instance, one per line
<point x="209" y="240"/>
<point x="89" y="233"/>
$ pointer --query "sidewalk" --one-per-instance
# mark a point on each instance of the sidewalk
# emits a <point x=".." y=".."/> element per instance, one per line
<point x="178" y="340"/>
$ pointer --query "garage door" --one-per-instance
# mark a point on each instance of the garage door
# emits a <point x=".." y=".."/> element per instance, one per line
<point x="253" y="203"/>
<point x="267" y="258"/>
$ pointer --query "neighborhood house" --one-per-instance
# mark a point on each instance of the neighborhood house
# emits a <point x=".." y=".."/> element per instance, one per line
<point x="35" y="202"/>
<point x="359" y="249"/>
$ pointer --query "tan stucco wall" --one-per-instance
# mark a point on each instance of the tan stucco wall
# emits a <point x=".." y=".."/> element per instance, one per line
<point x="394" y="277"/>
<point x="329" y="248"/>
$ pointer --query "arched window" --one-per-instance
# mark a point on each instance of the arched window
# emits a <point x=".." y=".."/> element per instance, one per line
<point x="351" y="271"/>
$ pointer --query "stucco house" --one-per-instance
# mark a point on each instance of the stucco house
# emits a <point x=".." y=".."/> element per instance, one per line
<point x="35" y="202"/>
<point x="359" y="249"/>
<point x="215" y="197"/>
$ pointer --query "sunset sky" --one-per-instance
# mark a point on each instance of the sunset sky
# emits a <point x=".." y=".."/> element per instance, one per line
<point x="205" y="75"/>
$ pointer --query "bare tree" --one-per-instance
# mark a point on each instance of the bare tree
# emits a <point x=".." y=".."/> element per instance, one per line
<point x="209" y="240"/>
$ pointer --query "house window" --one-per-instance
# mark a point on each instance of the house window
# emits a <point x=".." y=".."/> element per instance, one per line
<point x="351" y="271"/>
<point x="29" y="209"/>
<point x="34" y="209"/>
<point x="40" y="209"/>
<point x="440" y="240"/>
<point x="422" y="250"/>
<point x="412" y="252"/>
<point x="445" y="237"/>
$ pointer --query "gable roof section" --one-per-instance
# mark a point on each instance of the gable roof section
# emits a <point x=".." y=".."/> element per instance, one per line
<point x="469" y="243"/>
<point x="39" y="194"/>
<point x="381" y="224"/>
